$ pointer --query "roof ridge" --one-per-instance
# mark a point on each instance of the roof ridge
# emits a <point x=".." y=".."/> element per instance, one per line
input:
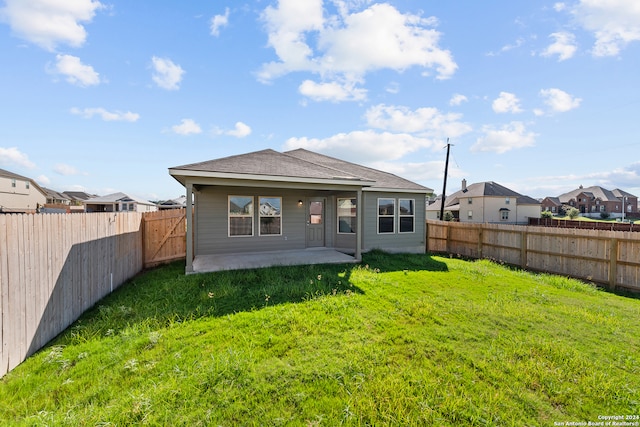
<point x="287" y="153"/>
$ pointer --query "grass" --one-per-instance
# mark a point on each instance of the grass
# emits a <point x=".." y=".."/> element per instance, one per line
<point x="398" y="340"/>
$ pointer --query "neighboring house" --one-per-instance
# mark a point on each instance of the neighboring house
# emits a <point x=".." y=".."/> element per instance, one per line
<point x="434" y="207"/>
<point x="56" y="202"/>
<point x="19" y="194"/>
<point x="119" y="202"/>
<point x="553" y="205"/>
<point x="78" y="199"/>
<point x="179" y="203"/>
<point x="487" y="202"/>
<point x="55" y="198"/>
<point x="267" y="200"/>
<point x="595" y="202"/>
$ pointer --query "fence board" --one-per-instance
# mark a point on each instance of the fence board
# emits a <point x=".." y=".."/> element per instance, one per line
<point x="4" y="300"/>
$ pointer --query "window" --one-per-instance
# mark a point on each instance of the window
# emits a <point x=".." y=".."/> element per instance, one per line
<point x="13" y="183"/>
<point x="602" y="208"/>
<point x="386" y="215"/>
<point x="507" y="200"/>
<point x="504" y="215"/>
<point x="347" y="216"/>
<point x="132" y="206"/>
<point x="240" y="215"/>
<point x="470" y="215"/>
<point x="26" y="185"/>
<point x="470" y="201"/>
<point x="406" y="215"/>
<point x="270" y="216"/>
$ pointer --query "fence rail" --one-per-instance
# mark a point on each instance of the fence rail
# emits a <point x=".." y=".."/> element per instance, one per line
<point x="591" y="225"/>
<point x="611" y="258"/>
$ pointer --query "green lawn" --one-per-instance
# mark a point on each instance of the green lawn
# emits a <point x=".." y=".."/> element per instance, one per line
<point x="401" y="340"/>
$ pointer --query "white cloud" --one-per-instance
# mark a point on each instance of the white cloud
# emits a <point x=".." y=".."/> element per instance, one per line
<point x="508" y="137"/>
<point x="506" y="48"/>
<point x="564" y="46"/>
<point x="43" y="180"/>
<point x="48" y="23"/>
<point x="166" y="74"/>
<point x="614" y="23"/>
<point x="67" y="170"/>
<point x="186" y="127"/>
<point x="362" y="146"/>
<point x="349" y="45"/>
<point x="559" y="101"/>
<point x="75" y="71"/>
<point x="241" y="130"/>
<point x="457" y="99"/>
<point x="332" y="91"/>
<point x="219" y="21"/>
<point x="13" y="156"/>
<point x="506" y="103"/>
<point x="419" y="171"/>
<point x="427" y="122"/>
<point x="107" y="116"/>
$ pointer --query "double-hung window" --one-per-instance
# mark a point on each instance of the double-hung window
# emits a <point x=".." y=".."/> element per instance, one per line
<point x="270" y="216"/>
<point x="407" y="215"/>
<point x="386" y="215"/>
<point x="347" y="216"/>
<point x="240" y="216"/>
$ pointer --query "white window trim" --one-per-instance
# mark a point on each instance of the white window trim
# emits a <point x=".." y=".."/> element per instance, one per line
<point x="413" y="216"/>
<point x="252" y="216"/>
<point x="260" y="216"/>
<point x="355" y="215"/>
<point x="378" y="216"/>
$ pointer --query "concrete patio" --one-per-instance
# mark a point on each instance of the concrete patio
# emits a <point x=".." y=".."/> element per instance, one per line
<point x="239" y="261"/>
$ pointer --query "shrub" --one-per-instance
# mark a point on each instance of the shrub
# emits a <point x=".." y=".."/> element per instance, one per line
<point x="573" y="213"/>
<point x="546" y="214"/>
<point x="604" y="215"/>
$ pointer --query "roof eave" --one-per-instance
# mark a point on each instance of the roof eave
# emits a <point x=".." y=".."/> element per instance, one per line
<point x="399" y="190"/>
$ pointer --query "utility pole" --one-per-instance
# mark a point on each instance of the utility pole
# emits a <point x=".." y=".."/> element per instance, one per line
<point x="444" y="186"/>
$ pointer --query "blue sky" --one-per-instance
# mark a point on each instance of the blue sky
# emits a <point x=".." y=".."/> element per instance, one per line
<point x="105" y="96"/>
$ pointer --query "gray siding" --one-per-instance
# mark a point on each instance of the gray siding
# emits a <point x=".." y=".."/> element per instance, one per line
<point x="213" y="227"/>
<point x="393" y="242"/>
<point x="211" y="222"/>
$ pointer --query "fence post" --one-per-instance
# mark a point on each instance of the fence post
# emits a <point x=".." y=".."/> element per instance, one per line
<point x="613" y="263"/>
<point x="426" y="237"/>
<point x="480" y="230"/>
<point x="523" y="249"/>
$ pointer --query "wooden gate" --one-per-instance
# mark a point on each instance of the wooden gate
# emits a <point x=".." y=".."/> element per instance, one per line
<point x="164" y="236"/>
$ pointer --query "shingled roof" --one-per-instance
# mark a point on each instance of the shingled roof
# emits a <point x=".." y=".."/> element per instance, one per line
<point x="489" y="189"/>
<point x="295" y="165"/>
<point x="595" y="192"/>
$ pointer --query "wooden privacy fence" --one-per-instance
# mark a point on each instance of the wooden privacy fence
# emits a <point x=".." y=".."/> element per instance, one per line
<point x="53" y="267"/>
<point x="611" y="258"/>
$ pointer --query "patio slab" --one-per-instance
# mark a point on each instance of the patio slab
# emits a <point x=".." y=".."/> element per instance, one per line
<point x="239" y="261"/>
